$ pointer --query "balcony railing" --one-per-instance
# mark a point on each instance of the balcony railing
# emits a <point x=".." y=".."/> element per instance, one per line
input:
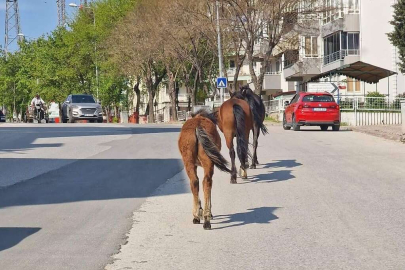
<point x="339" y="55"/>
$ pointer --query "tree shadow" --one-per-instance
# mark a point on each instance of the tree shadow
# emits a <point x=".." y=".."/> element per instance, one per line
<point x="11" y="236"/>
<point x="89" y="180"/>
<point x="14" y="139"/>
<point x="260" y="215"/>
<point x="288" y="163"/>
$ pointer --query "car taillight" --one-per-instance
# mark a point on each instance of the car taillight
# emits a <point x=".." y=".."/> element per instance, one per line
<point x="333" y="106"/>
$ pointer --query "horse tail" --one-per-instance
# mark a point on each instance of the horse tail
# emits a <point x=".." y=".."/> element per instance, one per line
<point x="258" y="110"/>
<point x="211" y="149"/>
<point x="242" y="145"/>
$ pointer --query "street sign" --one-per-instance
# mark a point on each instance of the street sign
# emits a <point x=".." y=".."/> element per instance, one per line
<point x="222" y="83"/>
<point x="322" y="87"/>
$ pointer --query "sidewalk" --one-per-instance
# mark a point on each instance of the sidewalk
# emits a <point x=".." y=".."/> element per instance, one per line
<point x="387" y="132"/>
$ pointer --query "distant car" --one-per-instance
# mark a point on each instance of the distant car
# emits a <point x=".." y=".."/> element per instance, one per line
<point x="2" y="116"/>
<point x="311" y="109"/>
<point x="81" y="107"/>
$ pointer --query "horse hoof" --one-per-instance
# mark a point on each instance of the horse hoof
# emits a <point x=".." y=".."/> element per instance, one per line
<point x="207" y="225"/>
<point x="196" y="221"/>
<point x="211" y="216"/>
<point x="233" y="181"/>
<point x="243" y="173"/>
<point x="252" y="166"/>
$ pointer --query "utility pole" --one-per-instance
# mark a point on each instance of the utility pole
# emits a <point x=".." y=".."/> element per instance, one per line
<point x="61" y="12"/>
<point x="12" y="24"/>
<point x="221" y="74"/>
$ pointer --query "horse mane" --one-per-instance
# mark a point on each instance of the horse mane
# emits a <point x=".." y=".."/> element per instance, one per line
<point x="204" y="113"/>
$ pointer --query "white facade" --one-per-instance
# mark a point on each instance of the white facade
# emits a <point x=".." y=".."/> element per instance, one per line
<point x="356" y="31"/>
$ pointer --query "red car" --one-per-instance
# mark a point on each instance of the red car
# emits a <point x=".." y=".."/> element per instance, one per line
<point x="311" y="109"/>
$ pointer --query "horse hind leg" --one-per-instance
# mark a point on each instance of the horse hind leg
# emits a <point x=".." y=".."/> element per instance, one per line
<point x="191" y="170"/>
<point x="207" y="185"/>
<point x="256" y="132"/>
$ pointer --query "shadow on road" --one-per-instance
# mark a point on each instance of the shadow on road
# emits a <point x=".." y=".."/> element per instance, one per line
<point x="14" y="139"/>
<point x="11" y="236"/>
<point x="271" y="177"/>
<point x="288" y="163"/>
<point x="260" y="215"/>
<point x="91" y="179"/>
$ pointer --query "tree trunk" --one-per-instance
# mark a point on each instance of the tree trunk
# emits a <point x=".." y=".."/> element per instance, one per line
<point x="172" y="93"/>
<point x="138" y="99"/>
<point x="252" y="71"/>
<point x="194" y="90"/>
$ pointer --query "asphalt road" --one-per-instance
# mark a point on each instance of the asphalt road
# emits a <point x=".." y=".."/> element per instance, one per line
<point x="320" y="200"/>
<point x="67" y="192"/>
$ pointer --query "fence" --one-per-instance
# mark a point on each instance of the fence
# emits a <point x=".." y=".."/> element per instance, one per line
<point x="356" y="110"/>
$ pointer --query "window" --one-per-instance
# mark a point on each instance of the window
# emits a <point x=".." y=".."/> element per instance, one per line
<point x="353" y="6"/>
<point x="269" y="68"/>
<point x="353" y="85"/>
<point x="278" y="66"/>
<point x="332" y="44"/>
<point x="311" y="47"/>
<point x="318" y="98"/>
<point x="353" y="43"/>
<point x="82" y="99"/>
<point x="232" y="63"/>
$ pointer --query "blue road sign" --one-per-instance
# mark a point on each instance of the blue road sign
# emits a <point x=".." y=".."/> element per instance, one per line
<point x="222" y="83"/>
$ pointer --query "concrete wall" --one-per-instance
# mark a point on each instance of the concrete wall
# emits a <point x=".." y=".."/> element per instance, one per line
<point x="375" y="47"/>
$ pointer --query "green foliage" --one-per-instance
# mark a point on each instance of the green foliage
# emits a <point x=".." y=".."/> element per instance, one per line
<point x="64" y="61"/>
<point x="376" y="101"/>
<point x="397" y="37"/>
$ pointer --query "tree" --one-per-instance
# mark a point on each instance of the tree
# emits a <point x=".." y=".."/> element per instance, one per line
<point x="266" y="26"/>
<point x="397" y="37"/>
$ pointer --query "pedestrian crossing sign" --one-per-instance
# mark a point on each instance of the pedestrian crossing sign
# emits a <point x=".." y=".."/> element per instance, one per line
<point x="222" y="83"/>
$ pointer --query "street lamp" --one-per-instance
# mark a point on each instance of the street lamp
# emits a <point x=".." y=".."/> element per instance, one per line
<point x="73" y="5"/>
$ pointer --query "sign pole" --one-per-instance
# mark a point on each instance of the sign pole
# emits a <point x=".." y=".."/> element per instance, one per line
<point x="219" y="53"/>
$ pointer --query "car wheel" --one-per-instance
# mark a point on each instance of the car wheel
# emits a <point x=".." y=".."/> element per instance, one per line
<point x="295" y="125"/>
<point x="336" y="127"/>
<point x="100" y="120"/>
<point x="285" y="126"/>
<point x="324" y="127"/>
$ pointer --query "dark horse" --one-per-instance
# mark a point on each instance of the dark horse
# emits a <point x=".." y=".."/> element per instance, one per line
<point x="200" y="145"/>
<point x="259" y="113"/>
<point x="235" y="120"/>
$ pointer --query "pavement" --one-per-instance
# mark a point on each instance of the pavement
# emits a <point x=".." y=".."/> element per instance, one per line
<point x="389" y="132"/>
<point x="319" y="200"/>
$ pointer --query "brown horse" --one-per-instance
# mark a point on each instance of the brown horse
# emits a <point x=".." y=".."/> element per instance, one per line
<point x="235" y="120"/>
<point x="258" y="111"/>
<point x="200" y="145"/>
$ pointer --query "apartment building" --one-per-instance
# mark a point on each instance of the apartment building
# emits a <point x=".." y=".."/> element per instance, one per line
<point x="348" y="46"/>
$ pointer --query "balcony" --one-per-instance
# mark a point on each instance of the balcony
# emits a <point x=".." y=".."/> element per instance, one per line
<point x="303" y="69"/>
<point x="339" y="55"/>
<point x="272" y="81"/>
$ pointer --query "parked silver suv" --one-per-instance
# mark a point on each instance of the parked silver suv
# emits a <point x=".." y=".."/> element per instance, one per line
<point x="81" y="107"/>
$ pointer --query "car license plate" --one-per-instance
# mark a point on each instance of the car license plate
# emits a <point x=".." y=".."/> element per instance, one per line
<point x="88" y="115"/>
<point x="320" y="109"/>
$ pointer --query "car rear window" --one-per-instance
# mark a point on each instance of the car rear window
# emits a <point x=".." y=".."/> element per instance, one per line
<point x="318" y="98"/>
<point x="83" y="99"/>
